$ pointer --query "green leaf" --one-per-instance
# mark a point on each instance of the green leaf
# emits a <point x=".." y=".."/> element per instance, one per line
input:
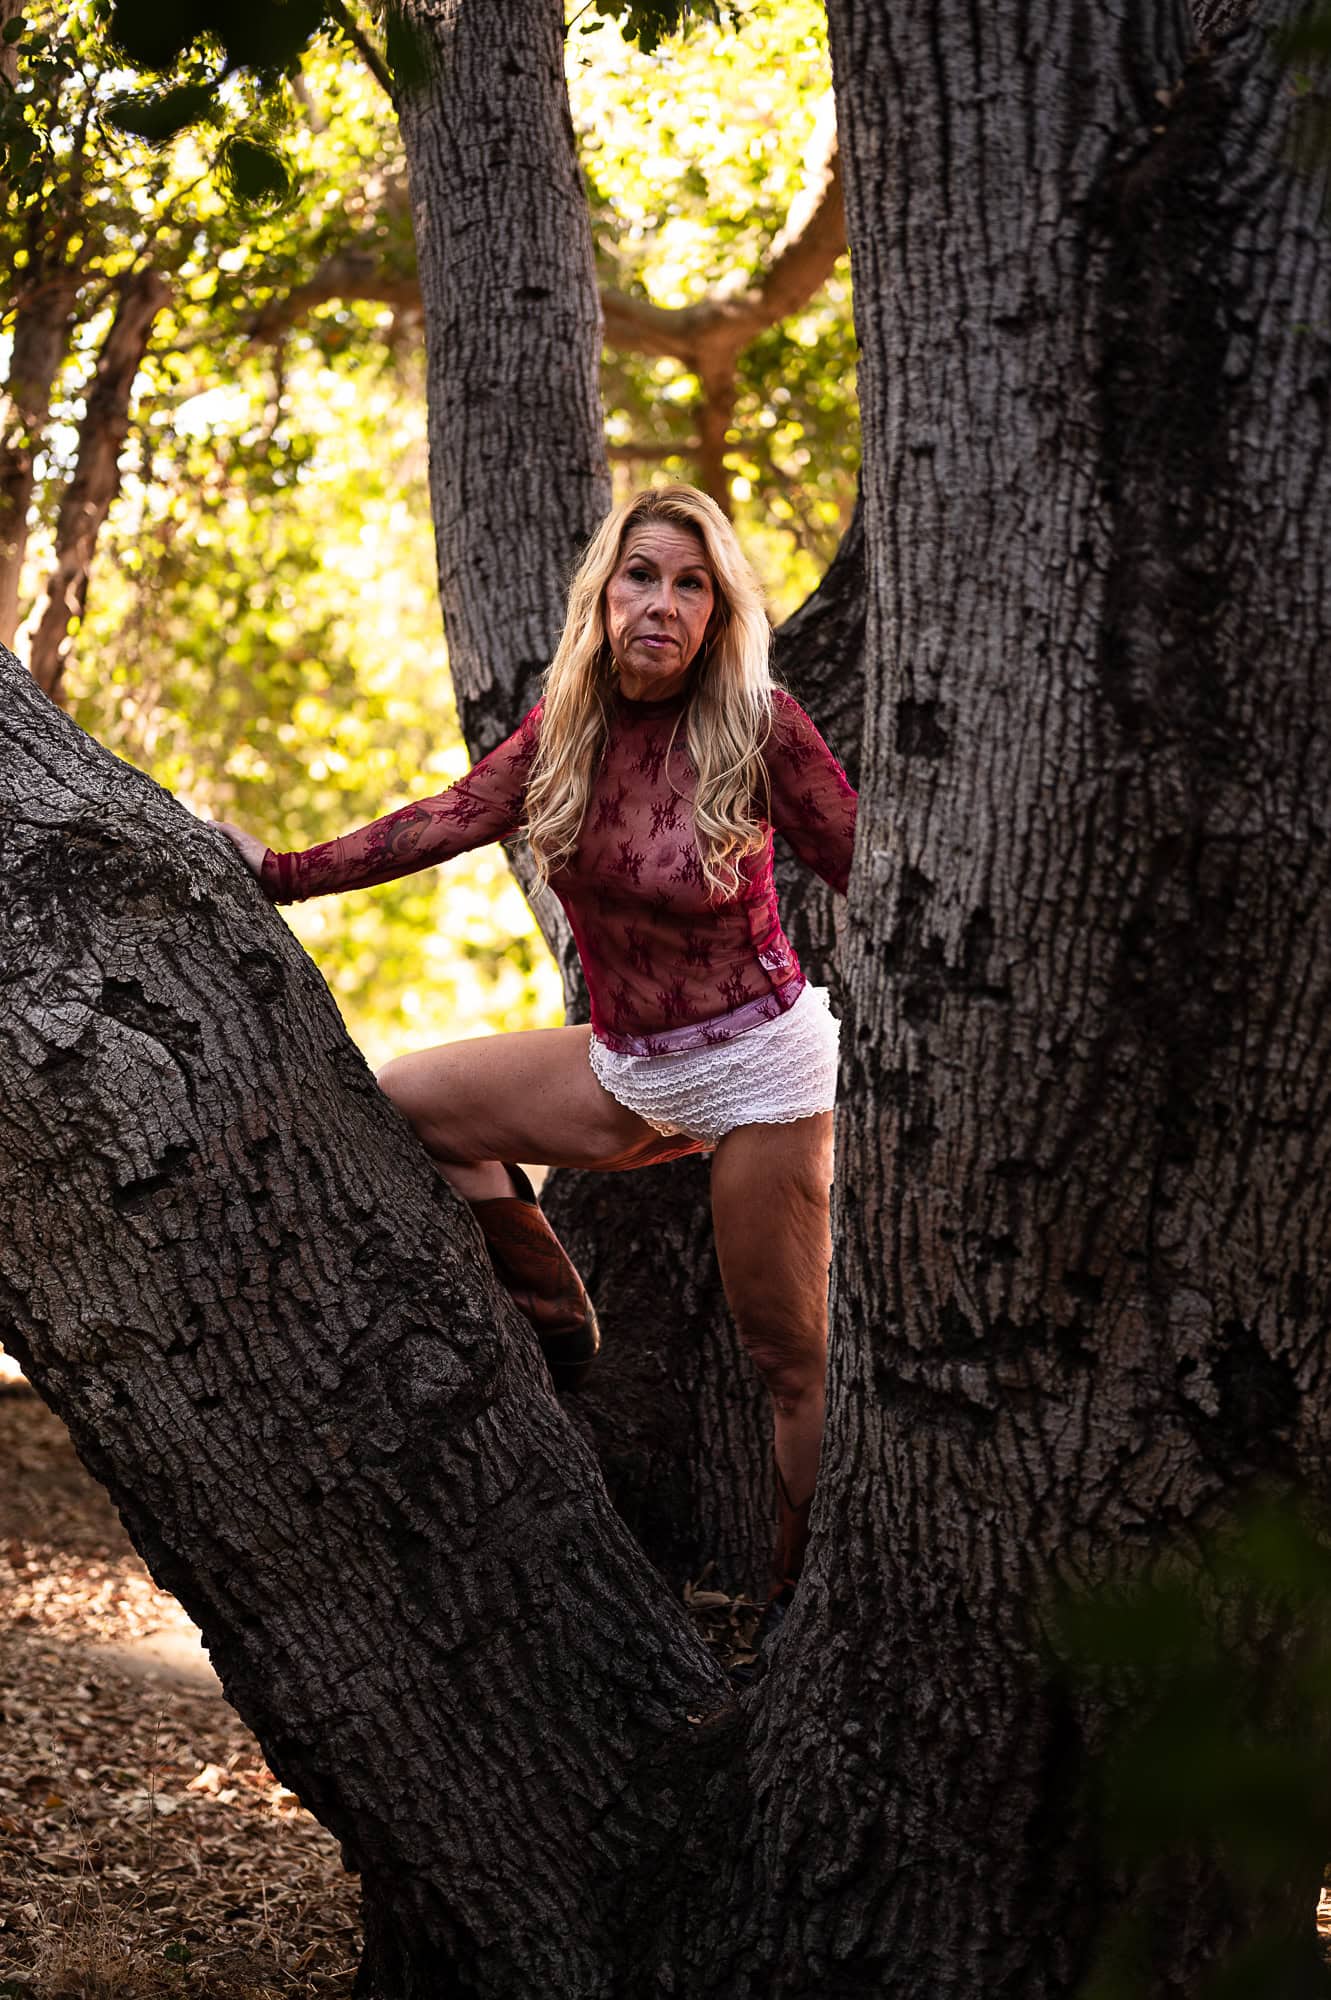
<point x="405" y="49"/>
<point x="153" y="36"/>
<point x="267" y="37"/>
<point x="158" y="116"/>
<point x="13" y="32"/>
<point x="256" y="174"/>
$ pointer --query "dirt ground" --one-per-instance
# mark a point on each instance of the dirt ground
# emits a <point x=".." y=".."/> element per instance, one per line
<point x="145" y="1847"/>
<point x="146" y="1850"/>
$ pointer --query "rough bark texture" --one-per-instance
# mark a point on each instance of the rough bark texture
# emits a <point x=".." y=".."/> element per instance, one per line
<point x="1087" y="962"/>
<point x="519" y="482"/>
<point x="274" y="1336"/>
<point x="95" y="480"/>
<point x="8" y="51"/>
<point x="513" y="330"/>
<point x="1082" y="1274"/>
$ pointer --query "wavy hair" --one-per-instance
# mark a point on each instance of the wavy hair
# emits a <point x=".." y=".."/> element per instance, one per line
<point x="729" y="712"/>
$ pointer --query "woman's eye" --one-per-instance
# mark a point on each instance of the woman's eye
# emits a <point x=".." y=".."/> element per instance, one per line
<point x="690" y="583"/>
<point x="639" y="576"/>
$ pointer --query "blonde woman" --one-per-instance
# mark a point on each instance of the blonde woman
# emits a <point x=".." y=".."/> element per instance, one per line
<point x="649" y="780"/>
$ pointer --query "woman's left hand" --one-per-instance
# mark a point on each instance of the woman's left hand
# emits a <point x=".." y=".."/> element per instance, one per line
<point x="251" y="849"/>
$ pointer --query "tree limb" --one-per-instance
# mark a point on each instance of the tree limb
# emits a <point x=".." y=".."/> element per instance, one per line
<point x="707" y="336"/>
<point x="362" y="44"/>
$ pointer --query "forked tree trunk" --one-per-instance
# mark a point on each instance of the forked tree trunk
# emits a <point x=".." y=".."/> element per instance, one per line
<point x="1082" y="1270"/>
<point x="274" y="1336"/>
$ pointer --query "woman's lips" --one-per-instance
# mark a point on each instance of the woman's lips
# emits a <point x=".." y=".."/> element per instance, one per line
<point x="656" y="641"/>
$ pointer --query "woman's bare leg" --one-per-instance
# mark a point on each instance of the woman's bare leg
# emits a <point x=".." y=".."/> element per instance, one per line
<point x="529" y="1097"/>
<point x="771" y="1187"/>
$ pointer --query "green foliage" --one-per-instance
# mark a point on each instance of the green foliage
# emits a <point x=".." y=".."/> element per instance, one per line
<point x="257" y="176"/>
<point x="264" y="640"/>
<point x="267" y="43"/>
<point x="693" y="158"/>
<point x="1218" y="1667"/>
<point x="651" y="22"/>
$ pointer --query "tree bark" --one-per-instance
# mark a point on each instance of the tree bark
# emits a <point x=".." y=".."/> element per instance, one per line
<point x="1087" y="967"/>
<point x="274" y="1336"/>
<point x="8" y="51"/>
<point x="1081" y="1278"/>
<point x="42" y="324"/>
<point x="96" y="477"/>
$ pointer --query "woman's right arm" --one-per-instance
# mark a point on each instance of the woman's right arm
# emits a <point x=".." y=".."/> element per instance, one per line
<point x="486" y="805"/>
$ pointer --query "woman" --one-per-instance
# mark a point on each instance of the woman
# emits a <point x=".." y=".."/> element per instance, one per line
<point x="649" y="779"/>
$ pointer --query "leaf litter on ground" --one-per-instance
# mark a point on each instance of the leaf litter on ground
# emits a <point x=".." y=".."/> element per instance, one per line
<point x="147" y="1852"/>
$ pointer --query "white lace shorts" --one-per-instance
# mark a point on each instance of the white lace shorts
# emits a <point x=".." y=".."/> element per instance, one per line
<point x="769" y="1075"/>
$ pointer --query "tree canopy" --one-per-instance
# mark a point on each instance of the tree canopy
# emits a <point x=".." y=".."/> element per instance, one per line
<point x="268" y="449"/>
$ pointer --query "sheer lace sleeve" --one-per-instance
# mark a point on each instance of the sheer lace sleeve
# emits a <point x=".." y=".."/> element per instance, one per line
<point x="486" y="805"/>
<point x="813" y="803"/>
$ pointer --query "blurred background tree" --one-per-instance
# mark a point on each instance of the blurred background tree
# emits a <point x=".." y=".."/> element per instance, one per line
<point x="215" y="541"/>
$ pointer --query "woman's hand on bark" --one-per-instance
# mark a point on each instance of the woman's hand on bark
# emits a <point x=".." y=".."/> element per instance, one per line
<point x="250" y="849"/>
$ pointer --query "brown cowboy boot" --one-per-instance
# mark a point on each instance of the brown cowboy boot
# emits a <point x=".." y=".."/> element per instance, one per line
<point x="534" y="1268"/>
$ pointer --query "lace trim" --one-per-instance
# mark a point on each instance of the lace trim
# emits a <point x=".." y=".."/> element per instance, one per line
<point x="774" y="1074"/>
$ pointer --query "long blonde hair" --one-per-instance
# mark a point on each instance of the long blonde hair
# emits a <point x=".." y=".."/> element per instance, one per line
<point x="729" y="713"/>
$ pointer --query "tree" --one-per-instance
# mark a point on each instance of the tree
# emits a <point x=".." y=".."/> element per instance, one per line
<point x="1080" y="1280"/>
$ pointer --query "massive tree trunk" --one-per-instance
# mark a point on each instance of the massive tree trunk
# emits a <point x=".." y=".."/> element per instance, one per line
<point x="274" y="1335"/>
<point x="1081" y="1284"/>
<point x="1081" y="1275"/>
<point x="518" y="483"/>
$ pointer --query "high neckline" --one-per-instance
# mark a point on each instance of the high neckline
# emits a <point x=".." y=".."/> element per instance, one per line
<point x="644" y="710"/>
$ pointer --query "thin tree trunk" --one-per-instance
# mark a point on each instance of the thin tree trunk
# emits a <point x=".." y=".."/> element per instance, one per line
<point x="715" y="410"/>
<point x="96" y="477"/>
<point x="42" y="324"/>
<point x="8" y="50"/>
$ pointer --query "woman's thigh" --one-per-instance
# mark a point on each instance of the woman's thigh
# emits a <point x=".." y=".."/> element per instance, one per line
<point x="771" y="1197"/>
<point x="529" y="1097"/>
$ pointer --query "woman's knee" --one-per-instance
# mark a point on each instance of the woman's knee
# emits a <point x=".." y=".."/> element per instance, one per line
<point x="398" y="1079"/>
<point x="789" y="1354"/>
<point x="413" y="1087"/>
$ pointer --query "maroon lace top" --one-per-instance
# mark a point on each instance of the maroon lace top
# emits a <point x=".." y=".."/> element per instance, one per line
<point x="666" y="966"/>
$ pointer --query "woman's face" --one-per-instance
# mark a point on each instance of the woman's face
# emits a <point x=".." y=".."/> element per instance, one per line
<point x="657" y="604"/>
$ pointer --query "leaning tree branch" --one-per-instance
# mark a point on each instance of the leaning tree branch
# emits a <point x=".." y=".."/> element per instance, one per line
<point x="707" y="336"/>
<point x="41" y="334"/>
<point x="274" y="1335"/>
